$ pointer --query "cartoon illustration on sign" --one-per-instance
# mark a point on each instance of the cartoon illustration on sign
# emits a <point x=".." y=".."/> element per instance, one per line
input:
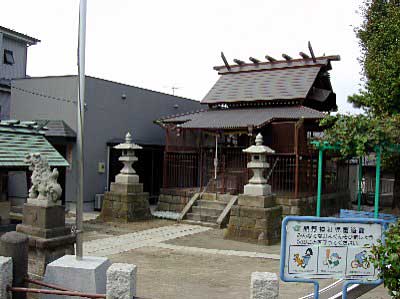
<point x="303" y="261"/>
<point x="360" y="260"/>
<point x="296" y="228"/>
<point x="332" y="260"/>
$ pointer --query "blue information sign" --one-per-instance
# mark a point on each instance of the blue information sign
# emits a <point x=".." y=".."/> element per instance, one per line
<point x="316" y="248"/>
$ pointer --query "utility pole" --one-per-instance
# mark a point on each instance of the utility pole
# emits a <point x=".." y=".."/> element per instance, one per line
<point x="81" y="114"/>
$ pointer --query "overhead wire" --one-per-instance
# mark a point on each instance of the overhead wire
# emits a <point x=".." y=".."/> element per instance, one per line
<point x="35" y="93"/>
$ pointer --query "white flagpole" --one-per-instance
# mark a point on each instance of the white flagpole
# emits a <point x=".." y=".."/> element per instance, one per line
<point x="81" y="113"/>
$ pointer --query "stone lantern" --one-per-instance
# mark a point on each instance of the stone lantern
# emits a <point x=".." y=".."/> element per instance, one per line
<point x="127" y="174"/>
<point x="256" y="218"/>
<point x="258" y="184"/>
<point x="126" y="200"/>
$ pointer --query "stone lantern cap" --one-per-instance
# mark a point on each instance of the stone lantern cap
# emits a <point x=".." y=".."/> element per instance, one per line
<point x="128" y="145"/>
<point x="259" y="148"/>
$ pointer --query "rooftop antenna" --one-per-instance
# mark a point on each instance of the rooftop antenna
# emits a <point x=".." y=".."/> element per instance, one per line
<point x="311" y="51"/>
<point x="173" y="88"/>
<point x="225" y="61"/>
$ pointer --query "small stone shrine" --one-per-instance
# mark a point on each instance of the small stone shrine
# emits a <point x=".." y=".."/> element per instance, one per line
<point x="126" y="200"/>
<point x="256" y="218"/>
<point x="44" y="218"/>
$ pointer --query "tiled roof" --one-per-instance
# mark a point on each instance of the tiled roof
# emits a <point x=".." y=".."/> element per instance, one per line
<point x="282" y="84"/>
<point x="20" y="138"/>
<point x="56" y="128"/>
<point x="241" y="118"/>
<point x="280" y="80"/>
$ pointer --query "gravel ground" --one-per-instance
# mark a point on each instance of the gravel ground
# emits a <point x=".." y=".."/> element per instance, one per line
<point x="168" y="273"/>
<point x="214" y="239"/>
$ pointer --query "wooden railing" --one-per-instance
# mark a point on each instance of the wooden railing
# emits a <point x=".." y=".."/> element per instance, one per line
<point x="196" y="169"/>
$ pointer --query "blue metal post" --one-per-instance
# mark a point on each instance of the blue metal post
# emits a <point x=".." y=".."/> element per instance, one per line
<point x="377" y="181"/>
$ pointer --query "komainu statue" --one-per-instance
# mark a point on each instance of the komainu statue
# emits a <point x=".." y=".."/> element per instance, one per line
<point x="44" y="181"/>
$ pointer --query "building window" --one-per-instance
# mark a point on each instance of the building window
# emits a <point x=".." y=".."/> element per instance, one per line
<point x="8" y="57"/>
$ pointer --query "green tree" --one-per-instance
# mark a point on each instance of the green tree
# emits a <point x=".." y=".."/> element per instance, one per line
<point x="386" y="257"/>
<point x="379" y="40"/>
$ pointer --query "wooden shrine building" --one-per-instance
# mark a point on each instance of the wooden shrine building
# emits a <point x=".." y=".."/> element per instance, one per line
<point x="284" y="101"/>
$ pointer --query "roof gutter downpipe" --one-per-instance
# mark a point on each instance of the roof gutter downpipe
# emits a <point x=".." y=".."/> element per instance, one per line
<point x="81" y="113"/>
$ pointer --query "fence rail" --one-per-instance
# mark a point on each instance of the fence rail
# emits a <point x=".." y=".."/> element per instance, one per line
<point x="196" y="169"/>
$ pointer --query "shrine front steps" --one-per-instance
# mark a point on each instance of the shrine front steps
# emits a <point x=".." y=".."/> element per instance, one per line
<point x="211" y="209"/>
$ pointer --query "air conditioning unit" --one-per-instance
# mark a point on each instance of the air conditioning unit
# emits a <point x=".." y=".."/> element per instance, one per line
<point x="98" y="201"/>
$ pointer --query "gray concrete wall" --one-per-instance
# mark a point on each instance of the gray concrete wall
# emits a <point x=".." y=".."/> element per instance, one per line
<point x="5" y="104"/>
<point x="18" y="69"/>
<point x="49" y="98"/>
<point x="107" y="117"/>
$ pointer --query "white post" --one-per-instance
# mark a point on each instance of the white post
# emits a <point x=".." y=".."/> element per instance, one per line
<point x="81" y="113"/>
<point x="264" y="285"/>
<point x="121" y="281"/>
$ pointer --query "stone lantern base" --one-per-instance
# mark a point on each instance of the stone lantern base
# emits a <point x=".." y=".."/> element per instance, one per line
<point x="125" y="203"/>
<point x="49" y="237"/>
<point x="257" y="189"/>
<point x="256" y="219"/>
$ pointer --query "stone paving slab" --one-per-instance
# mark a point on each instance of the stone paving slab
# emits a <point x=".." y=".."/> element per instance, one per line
<point x="126" y="242"/>
<point x="188" y="249"/>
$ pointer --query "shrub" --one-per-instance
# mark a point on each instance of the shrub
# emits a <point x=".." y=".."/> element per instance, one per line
<point x="386" y="258"/>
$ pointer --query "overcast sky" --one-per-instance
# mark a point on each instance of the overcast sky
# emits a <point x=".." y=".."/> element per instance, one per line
<point x="157" y="44"/>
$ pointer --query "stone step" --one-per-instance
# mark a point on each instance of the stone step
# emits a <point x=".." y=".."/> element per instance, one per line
<point x="217" y="197"/>
<point x="202" y="218"/>
<point x="209" y="196"/>
<point x="225" y="197"/>
<point x="206" y="211"/>
<point x="213" y="204"/>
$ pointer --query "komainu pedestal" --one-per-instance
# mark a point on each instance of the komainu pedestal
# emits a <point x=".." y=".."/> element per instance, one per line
<point x="256" y="219"/>
<point x="44" y="218"/>
<point x="49" y="237"/>
<point x="126" y="200"/>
